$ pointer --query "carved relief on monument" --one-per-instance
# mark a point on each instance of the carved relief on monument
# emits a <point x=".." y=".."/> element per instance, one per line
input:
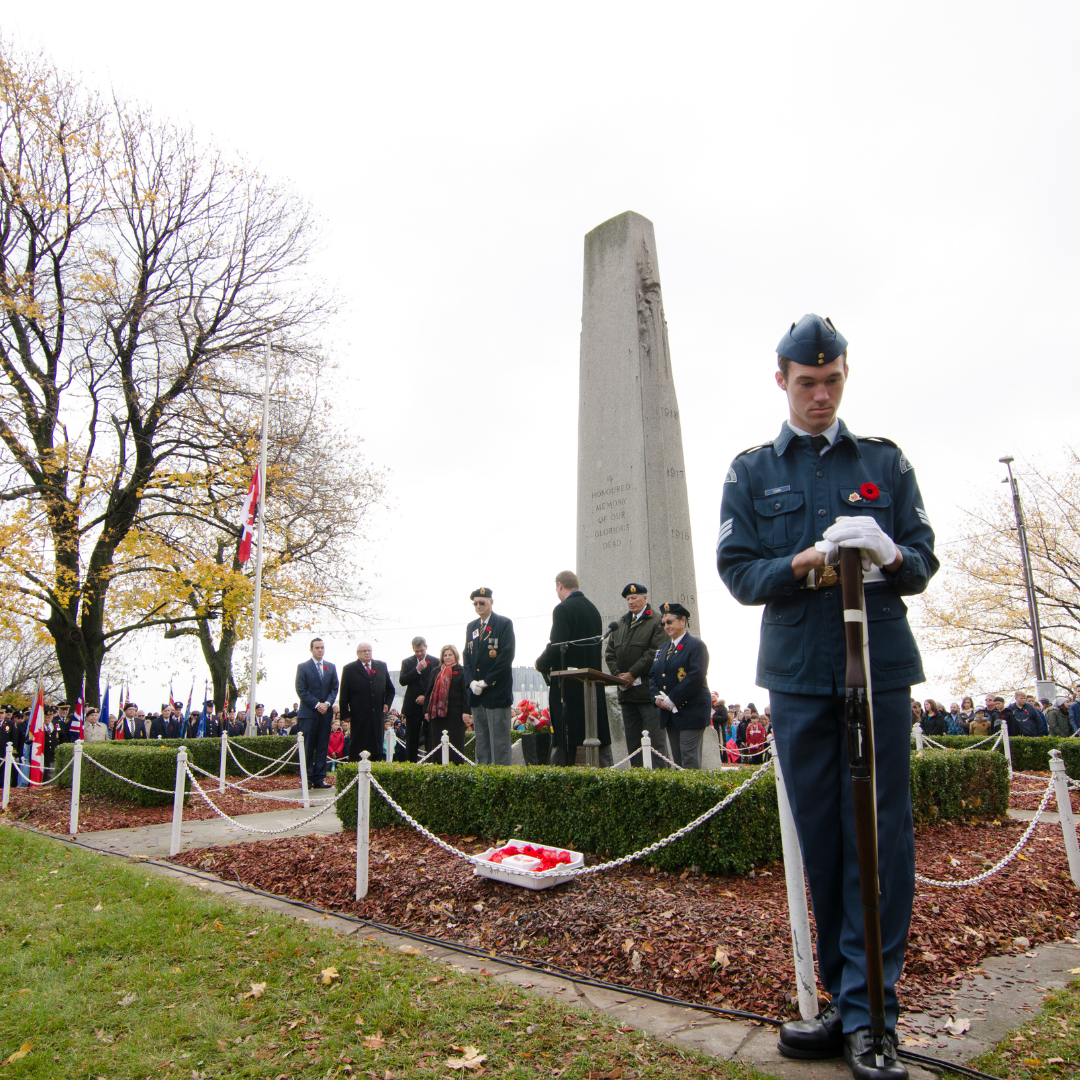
<point x="652" y="337"/>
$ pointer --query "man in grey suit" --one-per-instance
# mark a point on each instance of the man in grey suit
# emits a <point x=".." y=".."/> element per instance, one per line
<point x="316" y="686"/>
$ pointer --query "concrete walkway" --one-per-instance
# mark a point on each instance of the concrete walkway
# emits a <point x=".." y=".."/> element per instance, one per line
<point x="1004" y="993"/>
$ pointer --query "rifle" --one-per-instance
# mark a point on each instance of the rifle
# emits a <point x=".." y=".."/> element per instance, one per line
<point x="859" y="715"/>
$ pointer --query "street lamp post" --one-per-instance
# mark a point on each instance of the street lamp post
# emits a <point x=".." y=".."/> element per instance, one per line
<point x="1043" y="687"/>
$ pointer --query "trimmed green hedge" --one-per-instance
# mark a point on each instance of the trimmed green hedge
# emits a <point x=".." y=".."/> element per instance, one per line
<point x="947" y="786"/>
<point x="607" y="811"/>
<point x="612" y="812"/>
<point x="154" y="763"/>
<point x="1027" y="753"/>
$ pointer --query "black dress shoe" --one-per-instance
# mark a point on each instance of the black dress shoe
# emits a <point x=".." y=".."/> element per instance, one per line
<point x="822" y="1037"/>
<point x="859" y="1054"/>
<point x="319" y="784"/>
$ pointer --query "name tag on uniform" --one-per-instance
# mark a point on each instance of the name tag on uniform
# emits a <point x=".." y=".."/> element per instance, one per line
<point x="776" y="491"/>
<point x="476" y="633"/>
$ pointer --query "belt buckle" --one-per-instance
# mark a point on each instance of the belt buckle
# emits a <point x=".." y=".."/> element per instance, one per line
<point x="829" y="575"/>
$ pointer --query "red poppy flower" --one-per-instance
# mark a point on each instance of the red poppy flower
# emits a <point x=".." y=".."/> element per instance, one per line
<point x="869" y="491"/>
<point x="678" y="647"/>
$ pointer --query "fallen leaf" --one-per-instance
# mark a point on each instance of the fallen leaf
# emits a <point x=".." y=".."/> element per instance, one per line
<point x="126" y="1000"/>
<point x="958" y="1026"/>
<point x="217" y="925"/>
<point x="471" y="1058"/>
<point x="99" y="907"/>
<point x="374" y="1042"/>
<point x="1055" y="1061"/>
<point x="359" y="1020"/>
<point x="102" y="1036"/>
<point x="722" y="957"/>
<point x="20" y="1053"/>
<point x="628" y="946"/>
<point x="635" y="961"/>
<point x="916" y="1040"/>
<point x="257" y="990"/>
<point x="329" y="975"/>
<point x="1074" y="971"/>
<point x="646" y="946"/>
<point x="409" y="950"/>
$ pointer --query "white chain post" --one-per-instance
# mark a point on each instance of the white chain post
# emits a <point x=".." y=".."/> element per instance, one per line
<point x="1005" y="743"/>
<point x="363" y="823"/>
<point x="178" y="801"/>
<point x="798" y="912"/>
<point x="917" y="731"/>
<point x="224" y="756"/>
<point x="389" y="745"/>
<point x="301" y="753"/>
<point x="1068" y="825"/>
<point x="76" y="782"/>
<point x="445" y="741"/>
<point x="646" y="750"/>
<point x="9" y="761"/>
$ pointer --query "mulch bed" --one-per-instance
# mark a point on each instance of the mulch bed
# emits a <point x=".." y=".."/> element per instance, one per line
<point x="1021" y="800"/>
<point x="49" y="808"/>
<point x="717" y="940"/>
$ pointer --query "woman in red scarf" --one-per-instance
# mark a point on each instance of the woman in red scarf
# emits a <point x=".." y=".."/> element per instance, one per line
<point x="447" y="702"/>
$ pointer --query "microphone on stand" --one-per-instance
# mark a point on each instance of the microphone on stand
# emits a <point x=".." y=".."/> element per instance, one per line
<point x="611" y="628"/>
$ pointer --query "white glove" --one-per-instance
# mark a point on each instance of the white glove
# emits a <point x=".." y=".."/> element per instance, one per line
<point x="477" y="687"/>
<point x="866" y="534"/>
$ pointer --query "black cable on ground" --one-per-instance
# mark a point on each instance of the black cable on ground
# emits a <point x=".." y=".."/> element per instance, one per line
<point x="924" y="1060"/>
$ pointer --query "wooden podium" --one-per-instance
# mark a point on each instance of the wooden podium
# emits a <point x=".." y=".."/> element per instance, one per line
<point x="591" y="679"/>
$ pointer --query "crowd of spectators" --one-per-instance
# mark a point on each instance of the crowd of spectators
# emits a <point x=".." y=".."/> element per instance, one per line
<point x="1024" y="716"/>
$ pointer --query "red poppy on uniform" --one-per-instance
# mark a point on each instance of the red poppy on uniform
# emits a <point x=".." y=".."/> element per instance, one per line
<point x="869" y="491"/>
<point x="678" y="647"/>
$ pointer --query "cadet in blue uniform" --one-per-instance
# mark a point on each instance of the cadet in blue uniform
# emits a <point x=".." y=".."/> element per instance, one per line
<point x="679" y="687"/>
<point x="487" y="670"/>
<point x="787" y="507"/>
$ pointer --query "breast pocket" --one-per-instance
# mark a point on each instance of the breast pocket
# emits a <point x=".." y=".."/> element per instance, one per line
<point x="780" y="518"/>
<point x="854" y="502"/>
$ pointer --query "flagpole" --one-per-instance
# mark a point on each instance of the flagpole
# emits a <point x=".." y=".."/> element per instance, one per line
<point x="250" y="729"/>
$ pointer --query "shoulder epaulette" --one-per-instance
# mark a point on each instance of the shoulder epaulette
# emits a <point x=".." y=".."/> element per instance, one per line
<point x="760" y="446"/>
<point x="877" y="439"/>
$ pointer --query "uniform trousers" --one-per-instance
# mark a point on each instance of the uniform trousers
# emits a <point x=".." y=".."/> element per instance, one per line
<point x="811" y="738"/>
<point x="492" y="727"/>
<point x="558" y="756"/>
<point x="639" y="717"/>
<point x="686" y="746"/>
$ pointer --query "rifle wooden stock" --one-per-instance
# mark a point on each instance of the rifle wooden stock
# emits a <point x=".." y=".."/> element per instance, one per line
<point x="859" y="715"/>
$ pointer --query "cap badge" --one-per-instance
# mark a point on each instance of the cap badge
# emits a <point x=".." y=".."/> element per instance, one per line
<point x="633" y="588"/>
<point x="854" y="497"/>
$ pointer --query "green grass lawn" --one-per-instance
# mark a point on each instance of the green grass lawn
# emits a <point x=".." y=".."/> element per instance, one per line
<point x="109" y="971"/>
<point x="1046" y="1047"/>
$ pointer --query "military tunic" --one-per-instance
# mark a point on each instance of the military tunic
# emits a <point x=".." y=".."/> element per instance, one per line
<point x="778" y="500"/>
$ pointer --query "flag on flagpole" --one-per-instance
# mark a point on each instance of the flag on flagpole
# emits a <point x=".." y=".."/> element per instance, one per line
<point x="200" y="731"/>
<point x="35" y="735"/>
<point x="173" y="703"/>
<point x="187" y="710"/>
<point x="105" y="709"/>
<point x="247" y="518"/>
<point x="76" y="725"/>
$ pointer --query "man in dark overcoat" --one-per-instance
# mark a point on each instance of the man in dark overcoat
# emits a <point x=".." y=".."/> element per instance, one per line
<point x="574" y="618"/>
<point x="631" y="649"/>
<point x="416" y="676"/>
<point x="367" y="692"/>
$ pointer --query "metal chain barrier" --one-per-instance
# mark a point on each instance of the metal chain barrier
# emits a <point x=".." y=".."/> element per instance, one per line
<point x="467" y="760"/>
<point x="630" y="757"/>
<point x="127" y="780"/>
<point x="431" y="753"/>
<point x="263" y="757"/>
<point x="42" y="783"/>
<point x="253" y="794"/>
<point x="664" y="757"/>
<point x="701" y="819"/>
<point x="1005" y="861"/>
<point x="266" y="832"/>
<point x="963" y="749"/>
<point x="262" y="773"/>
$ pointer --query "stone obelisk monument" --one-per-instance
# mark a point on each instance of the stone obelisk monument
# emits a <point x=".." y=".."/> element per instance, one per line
<point x="633" y="519"/>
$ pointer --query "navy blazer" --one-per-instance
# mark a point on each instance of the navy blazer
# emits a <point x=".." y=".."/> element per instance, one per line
<point x="683" y="677"/>
<point x="489" y="657"/>
<point x="311" y="690"/>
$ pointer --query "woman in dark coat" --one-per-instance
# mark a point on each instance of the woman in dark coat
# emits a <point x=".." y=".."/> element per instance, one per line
<point x="678" y="682"/>
<point x="933" y="722"/>
<point x="446" y="704"/>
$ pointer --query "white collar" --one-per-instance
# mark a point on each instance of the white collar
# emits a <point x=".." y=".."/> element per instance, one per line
<point x="680" y="637"/>
<point x="830" y="432"/>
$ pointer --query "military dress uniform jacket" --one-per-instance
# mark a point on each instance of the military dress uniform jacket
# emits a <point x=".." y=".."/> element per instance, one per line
<point x="778" y="500"/>
<point x="681" y="671"/>
<point x="489" y="657"/>
<point x="632" y="647"/>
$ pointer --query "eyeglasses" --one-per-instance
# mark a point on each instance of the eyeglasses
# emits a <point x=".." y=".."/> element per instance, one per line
<point x="670" y="622"/>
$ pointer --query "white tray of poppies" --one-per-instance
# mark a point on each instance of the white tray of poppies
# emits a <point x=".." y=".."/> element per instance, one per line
<point x="522" y="863"/>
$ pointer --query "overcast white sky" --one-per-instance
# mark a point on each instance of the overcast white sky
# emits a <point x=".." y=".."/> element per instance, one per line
<point x="908" y="170"/>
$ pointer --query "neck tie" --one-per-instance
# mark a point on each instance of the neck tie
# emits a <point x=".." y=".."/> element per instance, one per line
<point x="671" y="650"/>
<point x="319" y="666"/>
<point x="818" y="442"/>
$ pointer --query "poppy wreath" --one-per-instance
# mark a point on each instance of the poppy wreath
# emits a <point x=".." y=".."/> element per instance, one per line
<point x="869" y="491"/>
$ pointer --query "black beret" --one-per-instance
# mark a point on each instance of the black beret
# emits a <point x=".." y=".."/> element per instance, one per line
<point x="131" y="705"/>
<point x="634" y="587"/>
<point x="675" y="609"/>
<point x="484" y="594"/>
<point x="812" y="341"/>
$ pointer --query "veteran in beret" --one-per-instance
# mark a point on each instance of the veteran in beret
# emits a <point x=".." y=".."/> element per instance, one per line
<point x="631" y="650"/>
<point x="679" y="685"/>
<point x="487" y="663"/>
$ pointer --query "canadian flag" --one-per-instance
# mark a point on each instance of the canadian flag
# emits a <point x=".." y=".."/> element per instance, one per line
<point x="247" y="518"/>
<point x="76" y="727"/>
<point x="36" y="734"/>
